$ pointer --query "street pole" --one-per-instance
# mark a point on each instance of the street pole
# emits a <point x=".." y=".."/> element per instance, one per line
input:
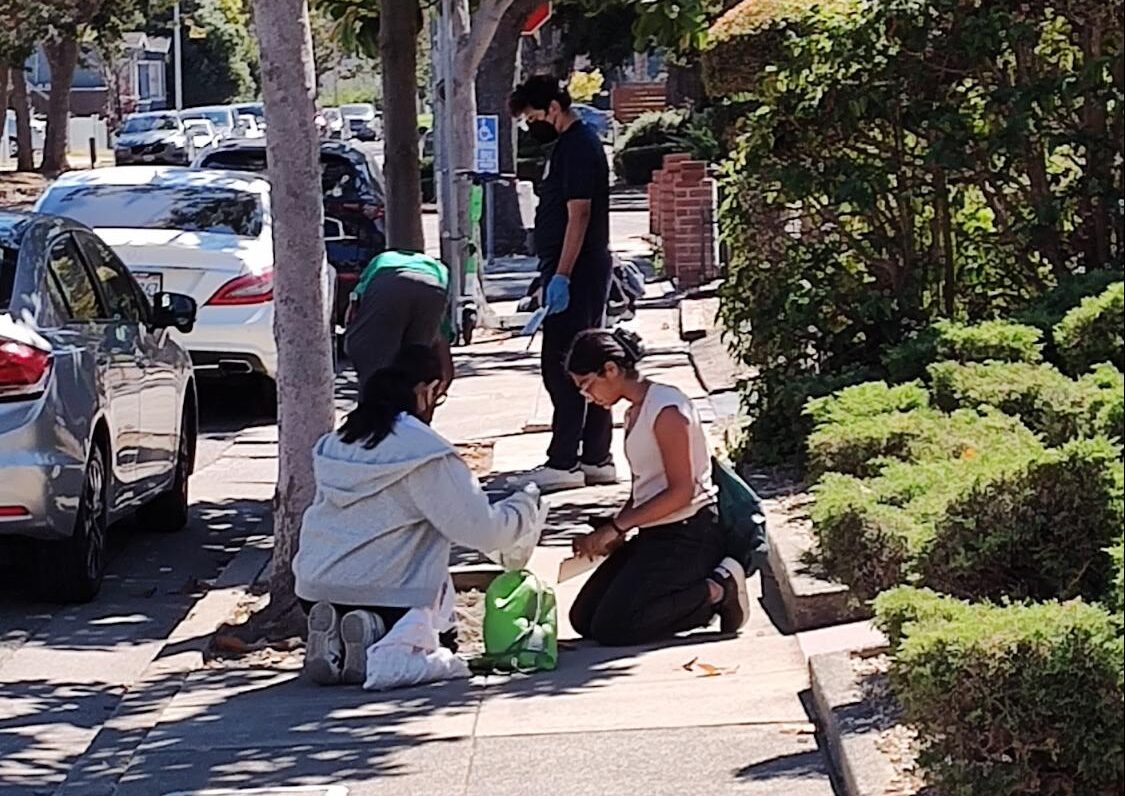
<point x="443" y="46"/>
<point x="177" y="56"/>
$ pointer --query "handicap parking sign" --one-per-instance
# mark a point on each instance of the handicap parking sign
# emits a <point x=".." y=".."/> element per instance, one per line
<point x="488" y="145"/>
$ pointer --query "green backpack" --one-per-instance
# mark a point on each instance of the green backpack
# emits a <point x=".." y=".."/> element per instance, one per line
<point x="520" y="625"/>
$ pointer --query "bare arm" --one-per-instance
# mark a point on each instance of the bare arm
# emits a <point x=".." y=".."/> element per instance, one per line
<point x="578" y="219"/>
<point x="671" y="431"/>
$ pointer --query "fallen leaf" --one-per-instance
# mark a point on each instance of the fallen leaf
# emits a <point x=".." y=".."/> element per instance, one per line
<point x="714" y="671"/>
<point x="229" y="644"/>
<point x="687" y="666"/>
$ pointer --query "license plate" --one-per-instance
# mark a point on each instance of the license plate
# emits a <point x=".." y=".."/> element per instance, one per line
<point x="151" y="284"/>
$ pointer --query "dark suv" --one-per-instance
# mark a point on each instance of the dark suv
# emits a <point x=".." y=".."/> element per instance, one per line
<point x="354" y="202"/>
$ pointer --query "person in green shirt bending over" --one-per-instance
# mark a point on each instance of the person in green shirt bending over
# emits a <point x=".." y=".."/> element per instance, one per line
<point x="401" y="299"/>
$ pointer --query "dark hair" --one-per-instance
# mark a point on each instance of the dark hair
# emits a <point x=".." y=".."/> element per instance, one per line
<point x="538" y="92"/>
<point x="389" y="392"/>
<point x="594" y="349"/>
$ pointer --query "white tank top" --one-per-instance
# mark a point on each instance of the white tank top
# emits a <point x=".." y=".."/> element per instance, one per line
<point x="643" y="452"/>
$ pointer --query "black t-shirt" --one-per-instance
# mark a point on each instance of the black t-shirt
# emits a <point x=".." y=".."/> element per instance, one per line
<point x="576" y="169"/>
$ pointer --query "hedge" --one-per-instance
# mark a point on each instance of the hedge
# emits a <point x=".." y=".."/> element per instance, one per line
<point x="1115" y="600"/>
<point x="1002" y="341"/>
<point x="1015" y="699"/>
<point x="1043" y="398"/>
<point x="1050" y="308"/>
<point x="636" y="165"/>
<point x="1104" y="389"/>
<point x="863" y="446"/>
<point x="1039" y="531"/>
<point x="1092" y="332"/>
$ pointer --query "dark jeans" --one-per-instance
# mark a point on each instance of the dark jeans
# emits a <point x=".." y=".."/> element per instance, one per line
<point x="398" y="308"/>
<point x="654" y="586"/>
<point x="579" y="431"/>
<point x="389" y="616"/>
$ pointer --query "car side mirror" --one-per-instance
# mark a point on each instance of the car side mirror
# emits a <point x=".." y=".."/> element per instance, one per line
<point x="173" y="310"/>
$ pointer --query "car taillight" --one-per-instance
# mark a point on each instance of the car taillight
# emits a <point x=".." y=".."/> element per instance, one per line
<point x="23" y="369"/>
<point x="374" y="212"/>
<point x="248" y="289"/>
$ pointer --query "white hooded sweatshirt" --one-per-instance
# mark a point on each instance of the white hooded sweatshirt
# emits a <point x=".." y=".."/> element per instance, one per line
<point x="380" y="528"/>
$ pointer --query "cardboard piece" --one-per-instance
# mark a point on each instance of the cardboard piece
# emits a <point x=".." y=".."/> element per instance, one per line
<point x="574" y="566"/>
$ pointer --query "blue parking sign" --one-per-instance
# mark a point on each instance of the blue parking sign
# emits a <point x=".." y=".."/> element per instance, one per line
<point x="488" y="145"/>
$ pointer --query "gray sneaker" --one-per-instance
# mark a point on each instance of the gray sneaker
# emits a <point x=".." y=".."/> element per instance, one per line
<point x="600" y="474"/>
<point x="549" y="479"/>
<point x="324" y="653"/>
<point x="734" y="608"/>
<point x="360" y="629"/>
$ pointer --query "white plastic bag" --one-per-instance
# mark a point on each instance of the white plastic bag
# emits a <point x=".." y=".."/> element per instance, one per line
<point x="517" y="556"/>
<point x="410" y="655"/>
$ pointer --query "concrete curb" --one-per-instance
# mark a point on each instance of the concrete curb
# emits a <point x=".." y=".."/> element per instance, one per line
<point x="106" y="760"/>
<point x="849" y="726"/>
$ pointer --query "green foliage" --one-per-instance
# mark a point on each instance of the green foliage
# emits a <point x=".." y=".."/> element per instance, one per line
<point x="869" y="399"/>
<point x="1104" y="393"/>
<point x="1043" y="398"/>
<point x="222" y="66"/>
<point x="1002" y="341"/>
<point x="906" y="161"/>
<point x="1092" y="332"/>
<point x="1050" y="308"/>
<point x="1037" y="531"/>
<point x="897" y="608"/>
<point x="651" y="128"/>
<point x="1115" y="602"/>
<point x="1016" y="699"/>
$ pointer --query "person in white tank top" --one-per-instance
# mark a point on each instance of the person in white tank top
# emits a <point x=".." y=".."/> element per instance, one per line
<point x="673" y="575"/>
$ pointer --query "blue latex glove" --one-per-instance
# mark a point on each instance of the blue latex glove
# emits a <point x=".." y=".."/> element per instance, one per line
<point x="558" y="294"/>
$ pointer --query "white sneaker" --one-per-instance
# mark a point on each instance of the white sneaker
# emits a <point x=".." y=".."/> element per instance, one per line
<point x="734" y="608"/>
<point x="600" y="474"/>
<point x="550" y="479"/>
<point x="324" y="653"/>
<point x="360" y="629"/>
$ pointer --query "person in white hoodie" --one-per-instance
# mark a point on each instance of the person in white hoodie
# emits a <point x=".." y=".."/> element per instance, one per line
<point x="392" y="497"/>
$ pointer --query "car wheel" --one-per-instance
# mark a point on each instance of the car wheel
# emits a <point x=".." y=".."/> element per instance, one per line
<point x="74" y="567"/>
<point x="169" y="512"/>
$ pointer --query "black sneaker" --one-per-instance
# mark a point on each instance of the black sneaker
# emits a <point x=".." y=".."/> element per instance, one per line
<point x="734" y="608"/>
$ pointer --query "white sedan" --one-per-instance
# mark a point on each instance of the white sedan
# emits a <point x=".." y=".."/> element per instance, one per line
<point x="203" y="233"/>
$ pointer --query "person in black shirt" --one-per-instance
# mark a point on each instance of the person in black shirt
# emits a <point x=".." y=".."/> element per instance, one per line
<point x="572" y="241"/>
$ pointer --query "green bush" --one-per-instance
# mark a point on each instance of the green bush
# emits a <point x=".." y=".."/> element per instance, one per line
<point x="1038" y="530"/>
<point x="635" y="165"/>
<point x="871" y="532"/>
<point x="906" y="605"/>
<point x="1050" y="308"/>
<point x="863" y="446"/>
<point x="1043" y="398"/>
<point x="1019" y="699"/>
<point x="1092" y="332"/>
<point x="650" y="129"/>
<point x="1002" y="341"/>
<point x="866" y="400"/>
<point x="1104" y="392"/>
<point x="1115" y="600"/>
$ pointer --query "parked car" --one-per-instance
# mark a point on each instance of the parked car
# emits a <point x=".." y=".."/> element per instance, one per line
<point x="203" y="133"/>
<point x="354" y="196"/>
<point x="333" y="123"/>
<point x="224" y="117"/>
<point x="248" y="126"/>
<point x="601" y="121"/>
<point x="255" y="109"/>
<point x="200" y="232"/>
<point x="156" y="137"/>
<point x="362" y="120"/>
<point x="97" y="400"/>
<point x="38" y="132"/>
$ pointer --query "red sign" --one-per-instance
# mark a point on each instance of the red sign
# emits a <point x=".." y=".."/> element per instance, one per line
<point x="536" y="19"/>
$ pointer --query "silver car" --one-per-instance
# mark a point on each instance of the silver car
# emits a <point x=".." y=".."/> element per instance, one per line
<point x="97" y="400"/>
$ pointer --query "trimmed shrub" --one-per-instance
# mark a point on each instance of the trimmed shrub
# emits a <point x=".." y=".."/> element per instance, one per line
<point x="1092" y="332"/>
<point x="1104" y="390"/>
<point x="1043" y="398"/>
<point x="866" y="400"/>
<point x="1002" y="341"/>
<point x="906" y="605"/>
<point x="1115" y="601"/>
<point x="1050" y="308"/>
<point x="1018" y="699"/>
<point x="1037" y="531"/>
<point x="636" y="165"/>
<point x="864" y="445"/>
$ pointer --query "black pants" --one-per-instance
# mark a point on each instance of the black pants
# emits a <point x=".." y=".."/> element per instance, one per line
<point x="654" y="586"/>
<point x="579" y="431"/>
<point x="389" y="616"/>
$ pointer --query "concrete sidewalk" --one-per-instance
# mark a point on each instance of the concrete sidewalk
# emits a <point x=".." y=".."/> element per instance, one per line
<point x="608" y="721"/>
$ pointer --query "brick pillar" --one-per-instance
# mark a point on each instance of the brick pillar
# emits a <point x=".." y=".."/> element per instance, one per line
<point x="687" y="210"/>
<point x="673" y="166"/>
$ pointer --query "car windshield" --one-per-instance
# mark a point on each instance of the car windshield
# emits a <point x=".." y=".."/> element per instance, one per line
<point x="237" y="159"/>
<point x="218" y="117"/>
<point x="185" y="207"/>
<point x="198" y="125"/>
<point x="364" y="112"/>
<point x="252" y="110"/>
<point x="144" y="124"/>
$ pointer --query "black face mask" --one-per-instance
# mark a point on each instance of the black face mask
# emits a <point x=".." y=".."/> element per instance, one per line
<point x="542" y="131"/>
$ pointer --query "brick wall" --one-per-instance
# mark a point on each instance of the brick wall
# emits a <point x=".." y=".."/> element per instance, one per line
<point x="630" y="100"/>
<point x="681" y="212"/>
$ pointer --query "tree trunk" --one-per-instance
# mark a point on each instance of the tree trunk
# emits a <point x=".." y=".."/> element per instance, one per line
<point x="398" y="40"/>
<point x="301" y="326"/>
<point x="21" y="103"/>
<point x="495" y="80"/>
<point x="62" y="58"/>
